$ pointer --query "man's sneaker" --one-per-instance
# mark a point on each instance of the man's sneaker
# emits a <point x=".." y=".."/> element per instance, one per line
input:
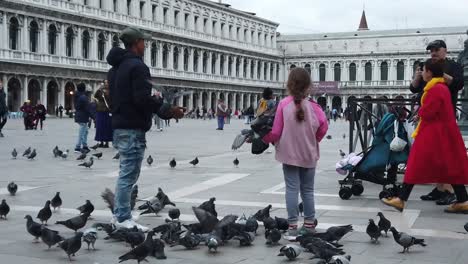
<point x="434" y="195"/>
<point x="449" y="199"/>
<point x="130" y="223"/>
<point x="77" y="150"/>
<point x="85" y="150"/>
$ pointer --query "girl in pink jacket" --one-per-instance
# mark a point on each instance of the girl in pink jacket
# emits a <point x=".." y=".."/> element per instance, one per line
<point x="298" y="128"/>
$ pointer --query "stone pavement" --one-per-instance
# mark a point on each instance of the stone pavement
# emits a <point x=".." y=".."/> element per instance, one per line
<point x="256" y="183"/>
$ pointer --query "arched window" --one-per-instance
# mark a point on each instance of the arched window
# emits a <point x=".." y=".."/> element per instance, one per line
<point x="33" y="36"/>
<point x="384" y="71"/>
<point x="322" y="72"/>
<point x="129" y="6"/>
<point x="292" y="66"/>
<point x="277" y="72"/>
<point x="176" y="18"/>
<point x="400" y="71"/>
<point x="352" y="72"/>
<point x="101" y="46"/>
<point x="337" y="72"/>
<point x="368" y="71"/>
<point x="69" y="41"/>
<point x="52" y="37"/>
<point x="175" y="61"/>
<point x="196" y="57"/>
<point x="85" y="44"/>
<point x="307" y="68"/>
<point x="252" y="69"/>
<point x="186" y="59"/>
<point x="154" y="54"/>
<point x="14" y="33"/>
<point x="115" y="41"/>
<point x="165" y="55"/>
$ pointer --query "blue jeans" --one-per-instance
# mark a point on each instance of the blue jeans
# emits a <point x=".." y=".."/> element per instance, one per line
<point x="299" y="179"/>
<point x="131" y="145"/>
<point x="82" y="136"/>
<point x="221" y="122"/>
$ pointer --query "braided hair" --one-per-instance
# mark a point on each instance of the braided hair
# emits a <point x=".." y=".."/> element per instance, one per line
<point x="298" y="86"/>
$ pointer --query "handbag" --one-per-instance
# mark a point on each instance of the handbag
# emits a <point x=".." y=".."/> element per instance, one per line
<point x="398" y="144"/>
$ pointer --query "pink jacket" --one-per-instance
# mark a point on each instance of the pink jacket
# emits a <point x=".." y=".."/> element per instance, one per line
<point x="297" y="143"/>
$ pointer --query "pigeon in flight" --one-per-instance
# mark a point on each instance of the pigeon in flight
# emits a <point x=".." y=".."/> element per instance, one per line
<point x="12" y="188"/>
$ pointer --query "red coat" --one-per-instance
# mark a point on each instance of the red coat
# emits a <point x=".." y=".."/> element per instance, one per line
<point x="438" y="154"/>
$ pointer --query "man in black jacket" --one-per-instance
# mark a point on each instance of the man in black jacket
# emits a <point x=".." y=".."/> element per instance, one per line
<point x="132" y="109"/>
<point x="3" y="108"/>
<point x="82" y="116"/>
<point x="443" y="193"/>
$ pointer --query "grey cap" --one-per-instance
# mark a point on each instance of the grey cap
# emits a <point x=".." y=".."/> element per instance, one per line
<point x="132" y="34"/>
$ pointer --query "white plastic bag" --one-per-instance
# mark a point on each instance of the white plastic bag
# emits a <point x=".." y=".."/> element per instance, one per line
<point x="409" y="127"/>
<point x="397" y="144"/>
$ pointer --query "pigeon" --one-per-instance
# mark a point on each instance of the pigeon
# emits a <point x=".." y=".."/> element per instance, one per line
<point x="86" y="208"/>
<point x="87" y="164"/>
<point x="163" y="198"/>
<point x="329" y="137"/>
<point x="236" y="162"/>
<point x="342" y="154"/>
<point x="32" y="155"/>
<point x="212" y="243"/>
<point x="149" y="160"/>
<point x="269" y="223"/>
<point x="141" y="251"/>
<point x="90" y="236"/>
<point x="282" y="224"/>
<point x="33" y="228"/>
<point x="155" y="208"/>
<point x="188" y="240"/>
<point x="405" y="240"/>
<point x="14" y="153"/>
<point x="341" y="259"/>
<point x="45" y="213"/>
<point x="207" y="220"/>
<point x="466" y="227"/>
<point x="12" y="188"/>
<point x="373" y="231"/>
<point x="291" y="251"/>
<point x="306" y="240"/>
<point x="58" y="153"/>
<point x="263" y="213"/>
<point x="173" y="163"/>
<point x="133" y="196"/>
<point x="75" y="223"/>
<point x="27" y="152"/>
<point x="117" y="156"/>
<point x="82" y="156"/>
<point x="55" y="150"/>
<point x="71" y="245"/>
<point x="194" y="162"/>
<point x="332" y="234"/>
<point x="245" y="238"/>
<point x="158" y="249"/>
<point x="109" y="198"/>
<point x="344" y="136"/>
<point x="65" y="154"/>
<point x="170" y="231"/>
<point x="98" y="155"/>
<point x="301" y="208"/>
<point x="174" y="214"/>
<point x="4" y="209"/>
<point x="272" y="236"/>
<point x="50" y="237"/>
<point x="242" y="138"/>
<point x="384" y="223"/>
<point x="251" y="225"/>
<point x="95" y="147"/>
<point x="209" y="206"/>
<point x="134" y="238"/>
<point x="325" y="253"/>
<point x="56" y="202"/>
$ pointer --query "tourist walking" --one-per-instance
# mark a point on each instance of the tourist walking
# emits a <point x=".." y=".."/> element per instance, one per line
<point x="103" y="116"/>
<point x="39" y="114"/>
<point x="60" y="111"/>
<point x="444" y="160"/>
<point x="443" y="194"/>
<point x="28" y="115"/>
<point x="82" y="116"/>
<point x="221" y="113"/>
<point x="267" y="102"/>
<point x="298" y="128"/>
<point x="3" y="109"/>
<point x="132" y="109"/>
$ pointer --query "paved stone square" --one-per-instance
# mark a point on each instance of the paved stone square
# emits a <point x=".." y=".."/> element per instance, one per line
<point x="256" y="183"/>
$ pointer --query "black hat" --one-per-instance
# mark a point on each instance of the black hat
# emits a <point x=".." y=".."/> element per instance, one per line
<point x="132" y="34"/>
<point x="436" y="44"/>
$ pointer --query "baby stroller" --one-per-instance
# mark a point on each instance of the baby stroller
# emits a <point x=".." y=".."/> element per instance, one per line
<point x="379" y="164"/>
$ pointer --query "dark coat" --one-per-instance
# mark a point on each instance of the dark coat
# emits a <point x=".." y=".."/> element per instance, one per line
<point x="82" y="108"/>
<point x="3" y="105"/>
<point x="130" y="90"/>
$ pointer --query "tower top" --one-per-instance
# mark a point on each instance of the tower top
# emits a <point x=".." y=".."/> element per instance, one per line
<point x="363" y="22"/>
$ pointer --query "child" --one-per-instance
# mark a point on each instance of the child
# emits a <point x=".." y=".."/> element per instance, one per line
<point x="298" y="128"/>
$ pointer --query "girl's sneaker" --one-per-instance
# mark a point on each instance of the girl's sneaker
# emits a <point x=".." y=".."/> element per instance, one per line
<point x="292" y="233"/>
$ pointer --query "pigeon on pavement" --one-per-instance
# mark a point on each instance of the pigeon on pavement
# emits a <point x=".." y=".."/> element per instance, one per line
<point x="158" y="249"/>
<point x="263" y="213"/>
<point x="90" y="236"/>
<point x="341" y="259"/>
<point x="82" y="156"/>
<point x="236" y="162"/>
<point x="384" y="223"/>
<point x="194" y="162"/>
<point x="50" y="237"/>
<point x="405" y="240"/>
<point x="109" y="198"/>
<point x="342" y="154"/>
<point x="86" y="208"/>
<point x="65" y="154"/>
<point x="87" y="164"/>
<point x="207" y="220"/>
<point x="117" y="156"/>
<point x="12" y="188"/>
<point x="72" y="244"/>
<point x="45" y="213"/>
<point x="27" y="152"/>
<point x="174" y="214"/>
<point x="373" y="231"/>
<point x="188" y="240"/>
<point x="282" y="223"/>
<point x="56" y="202"/>
<point x="209" y="206"/>
<point x="272" y="236"/>
<point x="14" y="153"/>
<point x="251" y="225"/>
<point x="149" y="160"/>
<point x="269" y="223"/>
<point x="244" y="238"/>
<point x="4" y="209"/>
<point x="173" y="163"/>
<point x="301" y="208"/>
<point x="141" y="251"/>
<point x="154" y="207"/>
<point x="163" y="198"/>
<point x="98" y="155"/>
<point x="134" y="238"/>
<point x="33" y="228"/>
<point x="466" y="227"/>
<point x="291" y="251"/>
<point x="75" y="223"/>
<point x="32" y="155"/>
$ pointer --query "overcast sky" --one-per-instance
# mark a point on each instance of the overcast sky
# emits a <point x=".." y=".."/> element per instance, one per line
<point x="312" y="16"/>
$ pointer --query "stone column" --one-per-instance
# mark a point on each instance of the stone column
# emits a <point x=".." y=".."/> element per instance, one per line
<point x="255" y="100"/>
<point x="234" y="103"/>
<point x="181" y="59"/>
<point x="200" y="61"/>
<point x="249" y="102"/>
<point x="25" y="91"/>
<point x="78" y="41"/>
<point x="159" y="14"/>
<point x="262" y="70"/>
<point x="61" y="93"/>
<point x="409" y="69"/>
<point x="218" y="64"/>
<point x="191" y="59"/>
<point x="226" y="65"/>
<point x="3" y="30"/>
<point x="107" y="5"/>
<point x="241" y="101"/>
<point x="61" y="41"/>
<point x="159" y="56"/>
<point x="93" y="46"/>
<point x="170" y="15"/>
<point x="200" y="99"/>
<point x="24" y="39"/>
<point x="170" y="59"/>
<point x="148" y="10"/>
<point x="5" y="85"/>
<point x="274" y="40"/>
<point x="233" y="66"/>
<point x="209" y="68"/>
<point x="180" y="101"/>
<point x="275" y="67"/>
<point x="44" y="92"/>
<point x="255" y="73"/>
<point x="208" y="103"/>
<point x="376" y="71"/>
<point x="147" y="56"/>
<point x="249" y="69"/>
<point x="241" y="67"/>
<point x="190" y="103"/>
<point x="268" y="74"/>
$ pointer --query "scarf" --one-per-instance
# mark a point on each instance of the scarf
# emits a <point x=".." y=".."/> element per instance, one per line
<point x="426" y="89"/>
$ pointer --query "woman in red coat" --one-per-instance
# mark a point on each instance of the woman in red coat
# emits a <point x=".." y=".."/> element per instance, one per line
<point x="438" y="154"/>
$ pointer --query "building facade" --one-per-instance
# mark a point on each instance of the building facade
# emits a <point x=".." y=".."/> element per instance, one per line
<point x="209" y="48"/>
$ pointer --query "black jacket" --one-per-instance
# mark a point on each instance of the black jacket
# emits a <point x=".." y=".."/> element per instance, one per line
<point x="130" y="90"/>
<point x="82" y="108"/>
<point x="3" y="106"/>
<point x="453" y="69"/>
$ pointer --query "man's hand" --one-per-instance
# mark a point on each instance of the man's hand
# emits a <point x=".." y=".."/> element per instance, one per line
<point x="448" y="79"/>
<point x="417" y="77"/>
<point x="177" y="112"/>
